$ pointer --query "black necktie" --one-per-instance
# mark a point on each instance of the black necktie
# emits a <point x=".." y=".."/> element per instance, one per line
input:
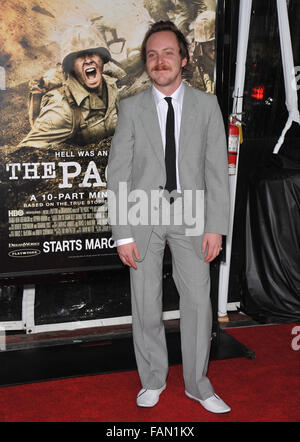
<point x="170" y="150"/>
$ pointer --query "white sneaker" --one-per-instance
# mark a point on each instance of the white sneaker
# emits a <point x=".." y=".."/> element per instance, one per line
<point x="148" y="398"/>
<point x="214" y="404"/>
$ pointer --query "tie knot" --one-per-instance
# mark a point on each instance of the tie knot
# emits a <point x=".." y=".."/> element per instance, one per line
<point x="168" y="100"/>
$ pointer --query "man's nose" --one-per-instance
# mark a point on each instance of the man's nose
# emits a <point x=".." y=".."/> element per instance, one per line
<point x="160" y="59"/>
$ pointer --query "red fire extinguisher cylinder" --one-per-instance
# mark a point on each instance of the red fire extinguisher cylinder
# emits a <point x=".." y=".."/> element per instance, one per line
<point x="233" y="146"/>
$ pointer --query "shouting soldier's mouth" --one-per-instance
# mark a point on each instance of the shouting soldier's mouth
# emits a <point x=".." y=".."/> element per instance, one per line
<point x="91" y="73"/>
<point x="92" y="76"/>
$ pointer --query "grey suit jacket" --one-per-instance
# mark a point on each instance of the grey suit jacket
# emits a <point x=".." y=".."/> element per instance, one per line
<point x="137" y="158"/>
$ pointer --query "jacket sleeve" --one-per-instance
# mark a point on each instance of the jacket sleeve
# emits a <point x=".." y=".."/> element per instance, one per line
<point x="216" y="174"/>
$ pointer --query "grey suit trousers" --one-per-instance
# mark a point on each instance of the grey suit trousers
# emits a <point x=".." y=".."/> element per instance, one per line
<point x="192" y="279"/>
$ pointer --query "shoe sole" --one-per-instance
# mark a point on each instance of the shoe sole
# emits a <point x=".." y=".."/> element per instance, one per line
<point x="153" y="405"/>
<point x="201" y="402"/>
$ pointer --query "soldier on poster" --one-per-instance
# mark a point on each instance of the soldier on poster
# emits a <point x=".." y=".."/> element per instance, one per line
<point x="77" y="103"/>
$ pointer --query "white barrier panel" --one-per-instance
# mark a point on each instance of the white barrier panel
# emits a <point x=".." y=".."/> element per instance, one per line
<point x="243" y="36"/>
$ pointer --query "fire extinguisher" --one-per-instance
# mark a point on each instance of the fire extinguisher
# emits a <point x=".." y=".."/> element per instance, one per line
<point x="233" y="144"/>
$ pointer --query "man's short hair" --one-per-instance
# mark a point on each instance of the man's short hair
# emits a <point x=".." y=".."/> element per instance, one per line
<point x="166" y="26"/>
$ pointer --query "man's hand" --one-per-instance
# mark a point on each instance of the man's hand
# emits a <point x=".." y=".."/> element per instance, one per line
<point x="213" y="243"/>
<point x="127" y="252"/>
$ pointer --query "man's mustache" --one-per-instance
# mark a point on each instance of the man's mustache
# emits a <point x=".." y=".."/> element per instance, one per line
<point x="160" y="68"/>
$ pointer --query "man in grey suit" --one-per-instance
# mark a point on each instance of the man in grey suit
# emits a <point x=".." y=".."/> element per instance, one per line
<point x="169" y="148"/>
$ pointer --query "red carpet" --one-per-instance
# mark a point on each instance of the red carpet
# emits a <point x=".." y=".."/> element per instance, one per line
<point x="266" y="388"/>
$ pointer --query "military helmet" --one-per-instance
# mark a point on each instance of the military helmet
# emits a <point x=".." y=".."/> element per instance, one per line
<point x="205" y="27"/>
<point x="79" y="40"/>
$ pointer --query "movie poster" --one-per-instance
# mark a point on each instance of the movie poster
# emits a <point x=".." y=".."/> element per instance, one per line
<point x="58" y="111"/>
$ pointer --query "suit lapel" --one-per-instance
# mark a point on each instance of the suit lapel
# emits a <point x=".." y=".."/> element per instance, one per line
<point x="188" y="119"/>
<point x="150" y="122"/>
